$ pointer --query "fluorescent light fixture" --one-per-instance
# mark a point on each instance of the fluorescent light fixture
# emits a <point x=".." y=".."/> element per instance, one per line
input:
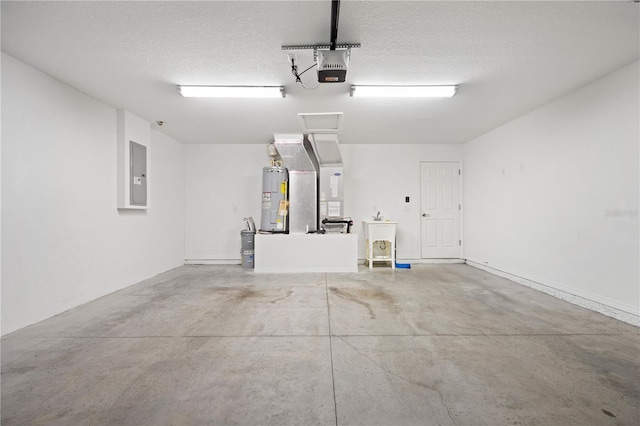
<point x="232" y="91"/>
<point x="404" y="91"/>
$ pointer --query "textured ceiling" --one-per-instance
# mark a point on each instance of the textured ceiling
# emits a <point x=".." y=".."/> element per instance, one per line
<point x="507" y="57"/>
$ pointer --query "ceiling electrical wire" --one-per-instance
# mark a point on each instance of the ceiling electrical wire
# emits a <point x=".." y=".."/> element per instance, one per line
<point x="308" y="69"/>
<point x="294" y="71"/>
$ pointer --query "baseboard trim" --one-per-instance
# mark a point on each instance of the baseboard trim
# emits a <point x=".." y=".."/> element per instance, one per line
<point x="420" y="261"/>
<point x="360" y="261"/>
<point x="430" y="261"/>
<point x="581" y="301"/>
<point x="212" y="262"/>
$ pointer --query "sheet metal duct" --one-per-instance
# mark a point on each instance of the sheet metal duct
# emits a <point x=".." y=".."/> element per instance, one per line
<point x="331" y="188"/>
<point x="298" y="157"/>
<point x="327" y="148"/>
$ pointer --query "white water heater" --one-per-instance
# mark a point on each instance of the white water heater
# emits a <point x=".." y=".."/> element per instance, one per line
<point x="274" y="191"/>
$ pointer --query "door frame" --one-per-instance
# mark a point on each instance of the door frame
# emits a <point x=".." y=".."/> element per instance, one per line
<point x="460" y="200"/>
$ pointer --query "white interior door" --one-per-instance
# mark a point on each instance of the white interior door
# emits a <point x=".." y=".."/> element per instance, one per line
<point x="440" y="202"/>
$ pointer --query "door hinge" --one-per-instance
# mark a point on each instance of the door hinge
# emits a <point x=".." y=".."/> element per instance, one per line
<point x="459" y="172"/>
<point x="459" y="206"/>
<point x="459" y="242"/>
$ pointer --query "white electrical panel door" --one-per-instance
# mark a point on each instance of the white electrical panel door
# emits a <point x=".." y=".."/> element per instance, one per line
<point x="133" y="139"/>
<point x="138" y="174"/>
<point x="440" y="213"/>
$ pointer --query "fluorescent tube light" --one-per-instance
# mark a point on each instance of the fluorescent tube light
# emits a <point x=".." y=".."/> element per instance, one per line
<point x="232" y="91"/>
<point x="404" y="91"/>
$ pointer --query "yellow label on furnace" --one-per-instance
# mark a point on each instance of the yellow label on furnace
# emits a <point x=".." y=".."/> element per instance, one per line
<point x="283" y="187"/>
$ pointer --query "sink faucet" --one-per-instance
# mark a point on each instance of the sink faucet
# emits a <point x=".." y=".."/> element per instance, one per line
<point x="377" y="217"/>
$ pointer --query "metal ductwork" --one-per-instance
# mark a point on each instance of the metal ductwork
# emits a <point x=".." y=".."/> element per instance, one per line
<point x="298" y="157"/>
<point x="326" y="148"/>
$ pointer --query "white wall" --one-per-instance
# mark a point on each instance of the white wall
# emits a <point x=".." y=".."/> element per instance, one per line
<point x="378" y="177"/>
<point x="223" y="185"/>
<point x="539" y="190"/>
<point x="63" y="240"/>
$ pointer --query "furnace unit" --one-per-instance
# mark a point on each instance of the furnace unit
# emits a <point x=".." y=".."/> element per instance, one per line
<point x="331" y="182"/>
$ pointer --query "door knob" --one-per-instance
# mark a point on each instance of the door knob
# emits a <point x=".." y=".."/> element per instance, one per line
<point x="426" y="215"/>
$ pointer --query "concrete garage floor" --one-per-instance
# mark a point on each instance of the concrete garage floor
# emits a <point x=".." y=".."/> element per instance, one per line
<point x="434" y="345"/>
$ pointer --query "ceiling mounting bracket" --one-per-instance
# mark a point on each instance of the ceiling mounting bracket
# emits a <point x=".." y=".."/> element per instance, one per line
<point x="315" y="48"/>
<point x="320" y="46"/>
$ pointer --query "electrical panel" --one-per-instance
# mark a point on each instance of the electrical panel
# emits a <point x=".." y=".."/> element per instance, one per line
<point x="138" y="174"/>
<point x="133" y="145"/>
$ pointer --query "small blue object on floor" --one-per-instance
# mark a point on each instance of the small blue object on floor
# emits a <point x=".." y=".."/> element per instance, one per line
<point x="403" y="265"/>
